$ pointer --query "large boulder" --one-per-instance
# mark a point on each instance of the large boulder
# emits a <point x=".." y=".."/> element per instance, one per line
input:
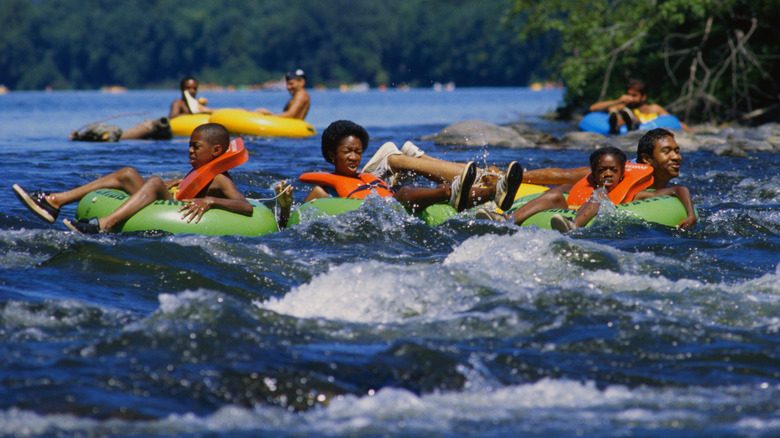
<point x="479" y="133"/>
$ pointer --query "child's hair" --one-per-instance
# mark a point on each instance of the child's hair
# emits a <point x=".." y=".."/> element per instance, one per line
<point x="647" y="142"/>
<point x="609" y="150"/>
<point x="185" y="80"/>
<point x="214" y="134"/>
<point x="636" y="84"/>
<point x="338" y="131"/>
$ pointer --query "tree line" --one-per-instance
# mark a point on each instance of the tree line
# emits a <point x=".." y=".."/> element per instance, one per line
<point x="154" y="43"/>
<point x="715" y="60"/>
<point x="711" y="60"/>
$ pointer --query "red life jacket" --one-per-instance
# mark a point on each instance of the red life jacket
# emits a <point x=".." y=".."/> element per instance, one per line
<point x="636" y="178"/>
<point x="199" y="178"/>
<point x="349" y="187"/>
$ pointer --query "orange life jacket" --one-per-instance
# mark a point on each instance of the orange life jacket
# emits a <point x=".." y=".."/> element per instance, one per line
<point x="199" y="178"/>
<point x="636" y="178"/>
<point x="349" y="187"/>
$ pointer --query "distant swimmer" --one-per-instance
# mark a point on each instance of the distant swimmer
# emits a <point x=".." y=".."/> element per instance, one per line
<point x="188" y="104"/>
<point x="298" y="106"/>
<point x="631" y="110"/>
<point x="150" y="129"/>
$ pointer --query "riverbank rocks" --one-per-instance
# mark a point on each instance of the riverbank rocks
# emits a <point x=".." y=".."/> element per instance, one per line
<point x="738" y="141"/>
<point x="479" y="133"/>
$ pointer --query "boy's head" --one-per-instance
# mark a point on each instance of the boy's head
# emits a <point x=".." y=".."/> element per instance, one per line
<point x="607" y="165"/>
<point x="189" y="84"/>
<point x="343" y="143"/>
<point x="659" y="149"/>
<point x="207" y="142"/>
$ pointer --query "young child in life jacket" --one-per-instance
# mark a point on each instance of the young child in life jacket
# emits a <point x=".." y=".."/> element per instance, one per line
<point x="607" y="172"/>
<point x="608" y="168"/>
<point x="207" y="143"/>
<point x="343" y="144"/>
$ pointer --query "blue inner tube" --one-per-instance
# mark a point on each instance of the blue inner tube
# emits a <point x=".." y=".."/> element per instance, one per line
<point x="598" y="122"/>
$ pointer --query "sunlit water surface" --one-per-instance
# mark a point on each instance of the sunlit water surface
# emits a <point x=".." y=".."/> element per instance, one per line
<point x="372" y="323"/>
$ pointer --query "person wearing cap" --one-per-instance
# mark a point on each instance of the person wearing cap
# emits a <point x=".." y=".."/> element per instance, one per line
<point x="298" y="106"/>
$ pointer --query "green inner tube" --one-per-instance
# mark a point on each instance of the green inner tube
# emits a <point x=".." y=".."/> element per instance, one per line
<point x="165" y="216"/>
<point x="433" y="215"/>
<point x="663" y="210"/>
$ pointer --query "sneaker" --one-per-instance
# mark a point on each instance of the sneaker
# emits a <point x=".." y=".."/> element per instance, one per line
<point x="83" y="226"/>
<point x="411" y="150"/>
<point x="613" y="122"/>
<point x="629" y="119"/>
<point x="385" y="151"/>
<point x="461" y="186"/>
<point x="562" y="224"/>
<point x="37" y="203"/>
<point x="161" y="129"/>
<point x="507" y="185"/>
<point x="484" y="213"/>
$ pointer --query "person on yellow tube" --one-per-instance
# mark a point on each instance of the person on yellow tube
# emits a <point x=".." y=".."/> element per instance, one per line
<point x="298" y="106"/>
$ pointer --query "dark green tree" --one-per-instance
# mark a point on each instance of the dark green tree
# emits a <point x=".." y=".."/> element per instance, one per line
<point x="704" y="59"/>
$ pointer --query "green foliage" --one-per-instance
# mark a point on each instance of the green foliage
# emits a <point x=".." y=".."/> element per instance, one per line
<point x="704" y="58"/>
<point x="143" y="43"/>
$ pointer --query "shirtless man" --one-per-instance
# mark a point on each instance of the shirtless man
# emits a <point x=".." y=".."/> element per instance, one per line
<point x="657" y="148"/>
<point x="622" y="110"/>
<point x="298" y="106"/>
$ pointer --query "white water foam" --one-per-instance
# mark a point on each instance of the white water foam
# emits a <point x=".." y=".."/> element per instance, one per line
<point x="546" y="406"/>
<point x="519" y="268"/>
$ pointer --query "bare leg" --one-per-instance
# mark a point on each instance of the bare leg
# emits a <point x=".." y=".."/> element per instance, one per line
<point x="127" y="179"/>
<point x="552" y="198"/>
<point x="434" y="169"/>
<point x="151" y="190"/>
<point x="419" y="198"/>
<point x="480" y="195"/>
<point x="140" y="131"/>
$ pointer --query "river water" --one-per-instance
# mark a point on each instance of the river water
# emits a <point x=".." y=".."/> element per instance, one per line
<point x="372" y="323"/>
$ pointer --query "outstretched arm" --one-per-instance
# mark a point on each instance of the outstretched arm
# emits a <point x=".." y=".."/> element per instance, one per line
<point x="228" y="198"/>
<point x="683" y="194"/>
<point x="612" y="104"/>
<point x="285" y="199"/>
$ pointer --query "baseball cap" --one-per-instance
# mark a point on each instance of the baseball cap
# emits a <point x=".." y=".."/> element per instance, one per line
<point x="296" y="74"/>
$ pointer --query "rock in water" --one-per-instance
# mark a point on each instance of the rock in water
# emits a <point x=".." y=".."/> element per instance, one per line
<point x="479" y="133"/>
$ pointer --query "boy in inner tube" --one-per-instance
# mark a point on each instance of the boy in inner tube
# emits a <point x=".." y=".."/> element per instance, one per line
<point x="343" y="143"/>
<point x="207" y="142"/>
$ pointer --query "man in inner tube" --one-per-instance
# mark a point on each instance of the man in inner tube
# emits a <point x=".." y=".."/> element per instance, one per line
<point x="623" y="110"/>
<point x="657" y="149"/>
<point x="298" y="106"/>
<point x="343" y="143"/>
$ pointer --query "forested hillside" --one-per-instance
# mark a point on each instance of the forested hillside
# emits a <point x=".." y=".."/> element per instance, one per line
<point x="87" y="44"/>
<point x="716" y="60"/>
